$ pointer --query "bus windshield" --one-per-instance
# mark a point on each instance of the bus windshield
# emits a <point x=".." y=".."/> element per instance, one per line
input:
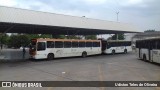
<point x="41" y="46"/>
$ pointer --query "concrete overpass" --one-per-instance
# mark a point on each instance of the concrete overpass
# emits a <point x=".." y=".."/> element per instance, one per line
<point x="15" y="20"/>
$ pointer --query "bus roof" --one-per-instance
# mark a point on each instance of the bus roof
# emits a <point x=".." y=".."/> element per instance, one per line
<point x="49" y="39"/>
<point x="116" y="41"/>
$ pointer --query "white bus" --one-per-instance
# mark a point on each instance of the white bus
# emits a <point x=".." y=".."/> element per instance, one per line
<point x="116" y="46"/>
<point x="148" y="49"/>
<point x="56" y="48"/>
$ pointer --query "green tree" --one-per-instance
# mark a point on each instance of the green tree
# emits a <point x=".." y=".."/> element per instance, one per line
<point x="13" y="41"/>
<point x="35" y="36"/>
<point x="32" y="36"/>
<point x="24" y="40"/>
<point x="150" y="30"/>
<point x="4" y="38"/>
<point x="45" y="36"/>
<point x="92" y="37"/>
<point x="73" y="37"/>
<point x="58" y="36"/>
<point x="62" y="36"/>
<point x="18" y="41"/>
<point x="120" y="37"/>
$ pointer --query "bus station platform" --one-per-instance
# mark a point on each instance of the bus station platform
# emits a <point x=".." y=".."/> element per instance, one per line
<point x="13" y="55"/>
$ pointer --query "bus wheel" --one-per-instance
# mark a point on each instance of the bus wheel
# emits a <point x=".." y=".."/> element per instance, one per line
<point x="50" y="56"/>
<point x="84" y="54"/>
<point x="144" y="57"/>
<point x="113" y="52"/>
<point x="125" y="51"/>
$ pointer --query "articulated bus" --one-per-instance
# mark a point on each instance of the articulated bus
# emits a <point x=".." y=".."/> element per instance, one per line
<point x="116" y="46"/>
<point x="148" y="49"/>
<point x="56" y="48"/>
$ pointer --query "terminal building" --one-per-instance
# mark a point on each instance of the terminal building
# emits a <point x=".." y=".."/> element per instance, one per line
<point x="15" y="20"/>
<point x="145" y="35"/>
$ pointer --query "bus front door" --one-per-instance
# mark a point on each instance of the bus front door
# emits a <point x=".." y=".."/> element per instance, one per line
<point x="139" y="53"/>
<point x="156" y="56"/>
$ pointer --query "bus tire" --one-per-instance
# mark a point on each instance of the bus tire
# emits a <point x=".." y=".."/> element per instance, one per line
<point x="84" y="54"/>
<point x="144" y="57"/>
<point x="113" y="52"/>
<point x="50" y="56"/>
<point x="125" y="51"/>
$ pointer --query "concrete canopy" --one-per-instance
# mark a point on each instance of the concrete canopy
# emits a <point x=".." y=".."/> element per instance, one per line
<point x="15" y="20"/>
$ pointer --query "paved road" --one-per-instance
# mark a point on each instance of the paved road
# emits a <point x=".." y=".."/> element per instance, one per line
<point x="120" y="67"/>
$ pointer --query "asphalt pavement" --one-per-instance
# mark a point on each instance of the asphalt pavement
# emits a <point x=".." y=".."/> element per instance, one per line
<point x="119" y="67"/>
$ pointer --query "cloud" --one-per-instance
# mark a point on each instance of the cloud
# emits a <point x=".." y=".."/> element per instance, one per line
<point x="133" y="2"/>
<point x="8" y="3"/>
<point x="94" y="2"/>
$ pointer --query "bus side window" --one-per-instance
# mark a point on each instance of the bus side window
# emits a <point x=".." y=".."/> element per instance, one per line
<point x="122" y="43"/>
<point x="112" y="44"/>
<point x="82" y="44"/>
<point x="58" y="44"/>
<point x="153" y="44"/>
<point x="128" y="43"/>
<point x="108" y="45"/>
<point x="137" y="44"/>
<point x="117" y="44"/>
<point x="141" y="44"/>
<point x="144" y="44"/>
<point x="96" y="44"/>
<point x="74" y="44"/>
<point x="67" y="44"/>
<point x="158" y="44"/>
<point x="88" y="44"/>
<point x="149" y="44"/>
<point x="50" y="44"/>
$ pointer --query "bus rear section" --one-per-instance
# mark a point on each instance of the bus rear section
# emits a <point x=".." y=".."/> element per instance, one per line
<point x="116" y="46"/>
<point x="148" y="49"/>
<point x="56" y="48"/>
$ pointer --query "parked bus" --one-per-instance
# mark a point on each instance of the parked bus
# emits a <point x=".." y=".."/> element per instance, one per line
<point x="56" y="48"/>
<point x="148" y="49"/>
<point x="116" y="46"/>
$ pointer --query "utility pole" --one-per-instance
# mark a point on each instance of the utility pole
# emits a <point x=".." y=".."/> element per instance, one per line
<point x="117" y="16"/>
<point x="117" y="21"/>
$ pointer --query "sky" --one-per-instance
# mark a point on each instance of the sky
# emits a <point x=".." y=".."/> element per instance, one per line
<point x="144" y="14"/>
